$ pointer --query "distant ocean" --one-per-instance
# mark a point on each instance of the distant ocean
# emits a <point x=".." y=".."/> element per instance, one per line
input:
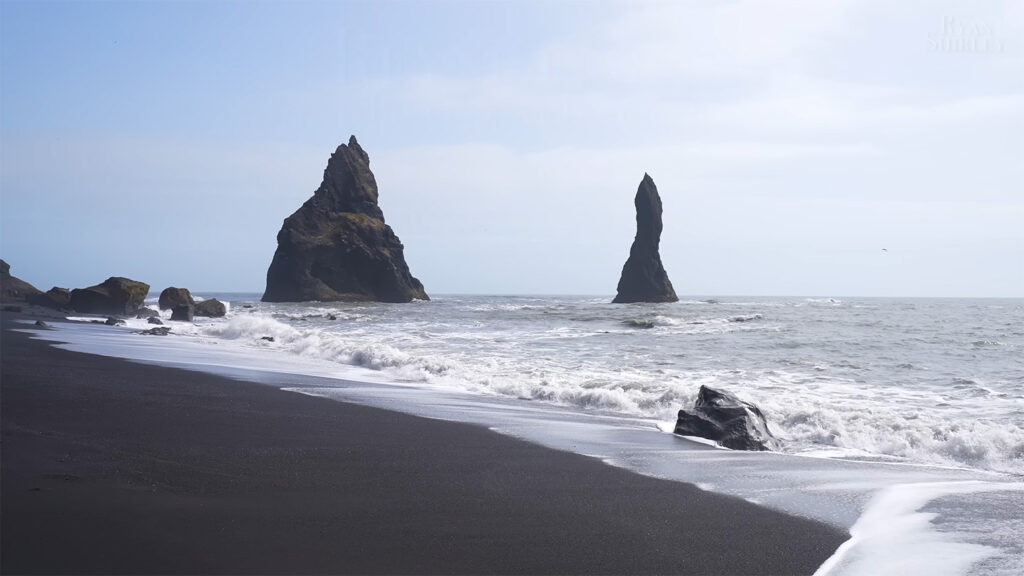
<point x="892" y="392"/>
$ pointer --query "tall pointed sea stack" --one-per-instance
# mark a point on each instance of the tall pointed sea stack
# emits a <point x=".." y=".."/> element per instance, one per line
<point x="336" y="247"/>
<point x="643" y="277"/>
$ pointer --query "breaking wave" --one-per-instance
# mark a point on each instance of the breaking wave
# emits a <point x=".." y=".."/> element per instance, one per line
<point x="812" y="404"/>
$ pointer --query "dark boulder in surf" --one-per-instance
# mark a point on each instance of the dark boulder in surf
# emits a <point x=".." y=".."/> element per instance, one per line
<point x="211" y="308"/>
<point x="182" y="313"/>
<point x="724" y="418"/>
<point x="171" y="297"/>
<point x="13" y="289"/>
<point x="643" y="276"/>
<point x="116" y="295"/>
<point x="336" y="246"/>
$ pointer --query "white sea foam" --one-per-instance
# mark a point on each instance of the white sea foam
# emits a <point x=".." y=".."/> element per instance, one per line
<point x="812" y="410"/>
<point x="893" y="535"/>
<point x="882" y="379"/>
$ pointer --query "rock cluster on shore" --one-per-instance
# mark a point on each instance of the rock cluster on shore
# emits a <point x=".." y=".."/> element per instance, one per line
<point x="116" y="297"/>
<point x="336" y="246"/>
<point x="643" y="276"/>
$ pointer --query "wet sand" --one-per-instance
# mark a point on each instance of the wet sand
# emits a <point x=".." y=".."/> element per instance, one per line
<point x="110" y="466"/>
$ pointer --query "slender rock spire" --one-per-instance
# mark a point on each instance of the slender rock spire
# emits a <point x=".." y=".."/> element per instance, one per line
<point x="643" y="276"/>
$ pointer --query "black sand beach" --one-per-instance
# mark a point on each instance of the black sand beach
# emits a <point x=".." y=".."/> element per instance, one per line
<point x="110" y="466"/>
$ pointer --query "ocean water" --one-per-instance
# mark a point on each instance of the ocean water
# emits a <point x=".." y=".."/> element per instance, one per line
<point x="900" y="420"/>
<point x="932" y="381"/>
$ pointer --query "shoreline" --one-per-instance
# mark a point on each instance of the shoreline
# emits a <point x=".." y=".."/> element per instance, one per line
<point x="115" y="466"/>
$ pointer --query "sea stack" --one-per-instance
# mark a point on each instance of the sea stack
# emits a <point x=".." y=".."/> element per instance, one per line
<point x="336" y="246"/>
<point x="643" y="276"/>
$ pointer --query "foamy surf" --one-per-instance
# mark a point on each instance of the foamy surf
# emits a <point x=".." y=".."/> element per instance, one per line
<point x="895" y="535"/>
<point x="845" y="394"/>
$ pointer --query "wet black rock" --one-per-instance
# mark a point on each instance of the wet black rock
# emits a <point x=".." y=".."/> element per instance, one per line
<point x="154" y="320"/>
<point x="14" y="289"/>
<point x="171" y="297"/>
<point x="724" y="418"/>
<point x="182" y="313"/>
<point x="211" y="308"/>
<point x="336" y="247"/>
<point x="42" y="324"/>
<point x="267" y="338"/>
<point x="111" y="321"/>
<point x="56" y="298"/>
<point x="145" y="313"/>
<point x="742" y="319"/>
<point x="158" y="331"/>
<point x="643" y="276"/>
<point x="116" y="295"/>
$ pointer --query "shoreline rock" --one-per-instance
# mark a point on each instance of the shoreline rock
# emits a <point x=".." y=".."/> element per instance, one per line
<point x="116" y="296"/>
<point x="56" y="298"/>
<point x="183" y="313"/>
<point x="720" y="416"/>
<point x="171" y="297"/>
<point x="211" y="308"/>
<point x="12" y="288"/>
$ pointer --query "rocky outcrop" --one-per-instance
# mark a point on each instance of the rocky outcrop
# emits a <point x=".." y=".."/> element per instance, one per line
<point x="182" y="312"/>
<point x="171" y="297"/>
<point x="724" y="418"/>
<point x="14" y="289"/>
<point x="211" y="308"/>
<point x="336" y="247"/>
<point x="643" y="276"/>
<point x="115" y="295"/>
<point x="146" y="313"/>
<point x="56" y="298"/>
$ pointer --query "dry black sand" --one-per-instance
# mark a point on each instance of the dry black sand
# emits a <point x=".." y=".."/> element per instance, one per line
<point x="110" y="466"/>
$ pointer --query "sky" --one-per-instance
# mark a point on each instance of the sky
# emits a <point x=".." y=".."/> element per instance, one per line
<point x="803" y="148"/>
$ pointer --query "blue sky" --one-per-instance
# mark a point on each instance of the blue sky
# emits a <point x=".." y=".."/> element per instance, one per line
<point x="791" y="141"/>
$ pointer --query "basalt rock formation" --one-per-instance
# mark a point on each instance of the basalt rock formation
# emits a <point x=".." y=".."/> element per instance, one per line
<point x="336" y="247"/>
<point x="724" y="418"/>
<point x="211" y="308"/>
<point x="56" y="298"/>
<point x="643" y="276"/>
<point x="14" y="289"/>
<point x="171" y="297"/>
<point x="115" y="295"/>
<point x="183" y="312"/>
